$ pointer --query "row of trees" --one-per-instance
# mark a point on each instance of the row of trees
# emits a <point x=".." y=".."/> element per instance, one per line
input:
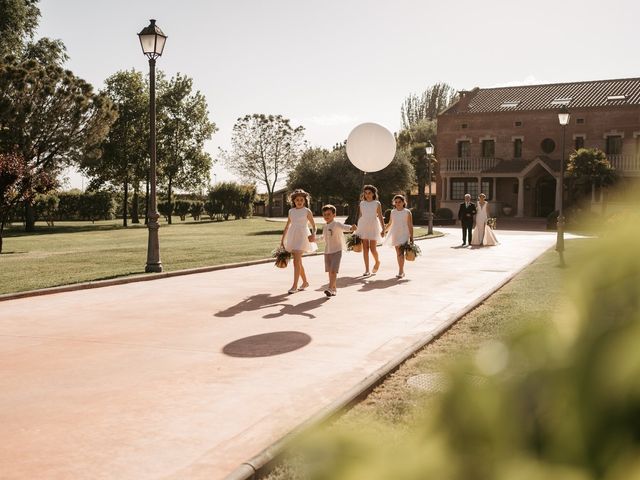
<point x="51" y="119"/>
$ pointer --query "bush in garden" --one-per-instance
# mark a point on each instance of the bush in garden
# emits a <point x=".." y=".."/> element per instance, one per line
<point x="558" y="401"/>
<point x="181" y="208"/>
<point x="165" y="209"/>
<point x="96" y="206"/>
<point x="196" y="209"/>
<point x="46" y="207"/>
<point x="444" y="213"/>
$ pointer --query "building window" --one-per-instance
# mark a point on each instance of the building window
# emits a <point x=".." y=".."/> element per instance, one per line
<point x="518" y="124"/>
<point x="464" y="125"/>
<point x="462" y="186"/>
<point x="464" y="148"/>
<point x="579" y="142"/>
<point x="517" y="148"/>
<point x="614" y="144"/>
<point x="580" y="121"/>
<point x="547" y="145"/>
<point x="488" y="148"/>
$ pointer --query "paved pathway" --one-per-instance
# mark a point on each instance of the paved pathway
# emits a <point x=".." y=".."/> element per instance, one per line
<point x="187" y="377"/>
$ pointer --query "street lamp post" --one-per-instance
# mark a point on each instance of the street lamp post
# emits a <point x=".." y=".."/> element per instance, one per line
<point x="152" y="40"/>
<point x="429" y="150"/>
<point x="563" y="118"/>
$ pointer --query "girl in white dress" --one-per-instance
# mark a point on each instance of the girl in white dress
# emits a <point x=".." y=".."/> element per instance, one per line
<point x="400" y="230"/>
<point x="483" y="233"/>
<point x="370" y="226"/>
<point x="297" y="238"/>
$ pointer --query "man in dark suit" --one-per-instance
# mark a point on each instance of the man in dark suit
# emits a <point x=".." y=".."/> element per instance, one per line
<point x="465" y="214"/>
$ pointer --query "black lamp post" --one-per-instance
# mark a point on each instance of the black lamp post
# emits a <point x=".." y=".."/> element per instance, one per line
<point x="563" y="118"/>
<point x="152" y="40"/>
<point x="429" y="151"/>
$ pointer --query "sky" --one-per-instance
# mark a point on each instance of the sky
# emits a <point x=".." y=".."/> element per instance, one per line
<point x="333" y="64"/>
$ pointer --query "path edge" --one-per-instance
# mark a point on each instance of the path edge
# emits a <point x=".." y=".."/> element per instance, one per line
<point x="145" y="277"/>
<point x="260" y="463"/>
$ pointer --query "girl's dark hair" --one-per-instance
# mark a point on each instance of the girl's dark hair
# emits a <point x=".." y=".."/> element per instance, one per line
<point x="372" y="189"/>
<point x="298" y="192"/>
<point x="401" y="197"/>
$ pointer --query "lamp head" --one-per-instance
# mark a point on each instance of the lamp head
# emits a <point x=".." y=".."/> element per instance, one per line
<point x="152" y="40"/>
<point x="429" y="148"/>
<point x="563" y="115"/>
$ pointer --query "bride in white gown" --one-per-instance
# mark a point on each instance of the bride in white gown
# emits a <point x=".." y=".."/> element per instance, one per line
<point x="483" y="233"/>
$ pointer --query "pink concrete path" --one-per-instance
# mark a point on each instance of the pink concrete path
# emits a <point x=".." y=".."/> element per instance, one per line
<point x="188" y="377"/>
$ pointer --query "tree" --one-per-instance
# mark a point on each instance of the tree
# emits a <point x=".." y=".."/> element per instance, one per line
<point x="427" y="105"/>
<point x="590" y="167"/>
<point x="419" y="125"/>
<point x="184" y="128"/>
<point x="18" y="23"/>
<point x="330" y="175"/>
<point x="414" y="140"/>
<point x="264" y="149"/>
<point x="18" y="183"/>
<point x="49" y="117"/>
<point x="124" y="151"/>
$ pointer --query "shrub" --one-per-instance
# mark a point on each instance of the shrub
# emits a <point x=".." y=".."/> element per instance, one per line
<point x="165" y="209"/>
<point x="182" y="208"/>
<point x="96" y="206"/>
<point x="46" y="207"/>
<point x="444" y="213"/>
<point x="196" y="209"/>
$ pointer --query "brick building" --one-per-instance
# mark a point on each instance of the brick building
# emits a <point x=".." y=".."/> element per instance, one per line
<point x="507" y="142"/>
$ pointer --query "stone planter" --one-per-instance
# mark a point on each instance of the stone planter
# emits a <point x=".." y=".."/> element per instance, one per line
<point x="507" y="211"/>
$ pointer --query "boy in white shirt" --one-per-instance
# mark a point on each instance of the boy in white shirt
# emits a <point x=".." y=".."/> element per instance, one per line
<point x="334" y="245"/>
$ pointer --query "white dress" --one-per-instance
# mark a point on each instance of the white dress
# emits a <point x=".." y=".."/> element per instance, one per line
<point x="483" y="233"/>
<point x="368" y="224"/>
<point x="399" y="232"/>
<point x="297" y="239"/>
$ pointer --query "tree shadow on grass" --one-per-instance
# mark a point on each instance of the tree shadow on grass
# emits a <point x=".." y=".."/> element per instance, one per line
<point x="44" y="230"/>
<point x="267" y="232"/>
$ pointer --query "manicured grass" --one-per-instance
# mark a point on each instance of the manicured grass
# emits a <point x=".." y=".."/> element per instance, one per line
<point x="532" y="296"/>
<point x="73" y="252"/>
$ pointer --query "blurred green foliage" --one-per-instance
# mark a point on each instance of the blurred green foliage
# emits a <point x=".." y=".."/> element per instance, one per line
<point x="560" y="400"/>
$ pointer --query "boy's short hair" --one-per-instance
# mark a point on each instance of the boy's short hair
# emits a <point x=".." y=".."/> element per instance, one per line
<point x="329" y="207"/>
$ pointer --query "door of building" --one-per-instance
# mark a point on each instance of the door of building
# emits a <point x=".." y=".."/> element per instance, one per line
<point x="545" y="195"/>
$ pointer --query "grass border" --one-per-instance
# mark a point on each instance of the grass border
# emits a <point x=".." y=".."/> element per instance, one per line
<point x="261" y="463"/>
<point x="153" y="276"/>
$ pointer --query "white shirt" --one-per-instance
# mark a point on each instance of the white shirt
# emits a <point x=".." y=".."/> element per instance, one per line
<point x="334" y="238"/>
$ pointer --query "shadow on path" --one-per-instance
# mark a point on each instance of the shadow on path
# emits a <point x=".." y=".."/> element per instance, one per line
<point x="266" y="344"/>
<point x="382" y="284"/>
<point x="253" y="303"/>
<point x="300" y="309"/>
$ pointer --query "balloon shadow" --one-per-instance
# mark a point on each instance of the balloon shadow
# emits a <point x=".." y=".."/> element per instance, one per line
<point x="267" y="344"/>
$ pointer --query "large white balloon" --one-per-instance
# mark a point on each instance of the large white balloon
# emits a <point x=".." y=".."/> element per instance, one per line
<point x="370" y="147"/>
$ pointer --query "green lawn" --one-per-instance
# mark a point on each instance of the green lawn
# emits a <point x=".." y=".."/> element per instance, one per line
<point x="532" y="296"/>
<point x="73" y="252"/>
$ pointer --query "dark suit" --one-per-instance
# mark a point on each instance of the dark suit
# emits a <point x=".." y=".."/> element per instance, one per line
<point x="465" y="215"/>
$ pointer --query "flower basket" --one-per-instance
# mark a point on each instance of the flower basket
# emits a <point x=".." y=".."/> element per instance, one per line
<point x="354" y="243"/>
<point x="282" y="257"/>
<point x="410" y="251"/>
<point x="492" y="222"/>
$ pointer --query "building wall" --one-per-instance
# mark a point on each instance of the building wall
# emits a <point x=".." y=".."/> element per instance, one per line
<point x="535" y="127"/>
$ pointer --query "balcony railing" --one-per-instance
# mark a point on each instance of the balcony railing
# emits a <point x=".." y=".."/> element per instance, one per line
<point x="625" y="163"/>
<point x="468" y="164"/>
